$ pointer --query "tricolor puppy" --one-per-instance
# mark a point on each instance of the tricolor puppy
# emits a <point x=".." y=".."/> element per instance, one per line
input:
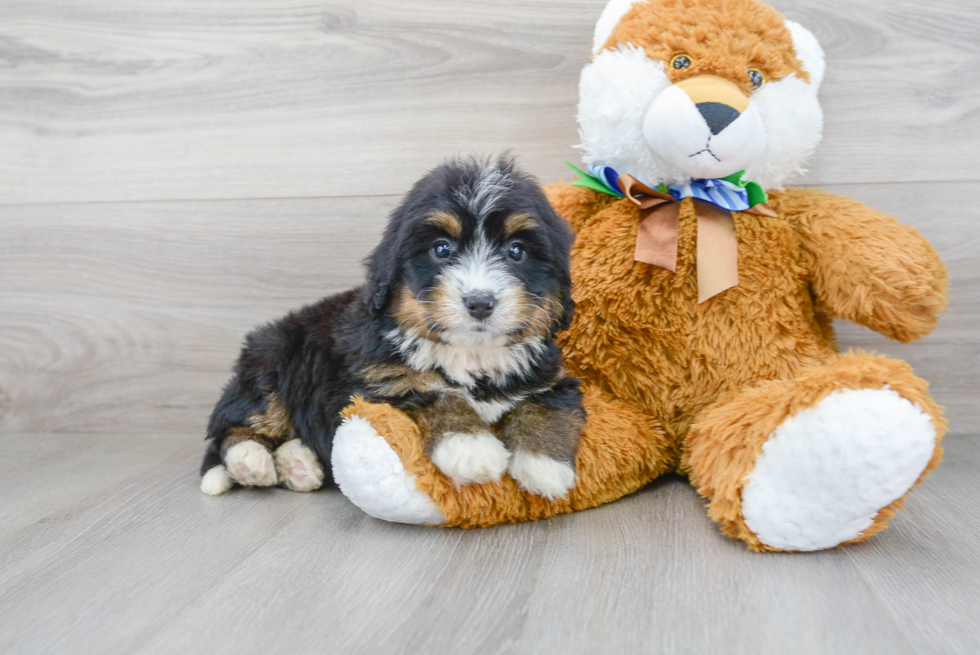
<point x="454" y="326"/>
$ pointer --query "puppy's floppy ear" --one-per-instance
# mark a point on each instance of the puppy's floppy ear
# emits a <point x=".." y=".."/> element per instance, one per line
<point x="382" y="267"/>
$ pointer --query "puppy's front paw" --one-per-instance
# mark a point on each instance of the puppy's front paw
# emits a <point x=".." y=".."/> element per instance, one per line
<point x="298" y="467"/>
<point x="542" y="475"/>
<point x="471" y="458"/>
<point x="250" y="464"/>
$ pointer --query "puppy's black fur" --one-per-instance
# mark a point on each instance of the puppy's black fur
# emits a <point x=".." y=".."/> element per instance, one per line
<point x="389" y="339"/>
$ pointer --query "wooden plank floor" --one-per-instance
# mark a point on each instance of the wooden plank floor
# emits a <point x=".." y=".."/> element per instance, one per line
<point x="174" y="173"/>
<point x="105" y="549"/>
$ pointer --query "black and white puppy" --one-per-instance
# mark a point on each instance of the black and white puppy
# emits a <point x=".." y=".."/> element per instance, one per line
<point x="455" y="326"/>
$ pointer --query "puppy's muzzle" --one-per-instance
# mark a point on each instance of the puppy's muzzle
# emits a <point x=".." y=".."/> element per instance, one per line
<point x="479" y="305"/>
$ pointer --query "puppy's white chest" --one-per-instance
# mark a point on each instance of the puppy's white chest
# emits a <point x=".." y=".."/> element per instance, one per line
<point x="493" y="410"/>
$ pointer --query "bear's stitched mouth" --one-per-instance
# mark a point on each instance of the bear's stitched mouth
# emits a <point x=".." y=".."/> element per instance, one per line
<point x="707" y="149"/>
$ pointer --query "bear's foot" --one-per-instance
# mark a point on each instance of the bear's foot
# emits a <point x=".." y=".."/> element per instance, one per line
<point x="819" y="460"/>
<point x="826" y="472"/>
<point x="373" y="477"/>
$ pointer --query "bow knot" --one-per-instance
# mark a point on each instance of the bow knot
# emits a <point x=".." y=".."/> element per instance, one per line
<point x="657" y="234"/>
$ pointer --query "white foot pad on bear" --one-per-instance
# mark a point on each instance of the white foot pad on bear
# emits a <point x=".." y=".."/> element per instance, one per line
<point x="542" y="475"/>
<point x="250" y="464"/>
<point x="372" y="477"/>
<point x="471" y="458"/>
<point x="827" y="471"/>
<point x="298" y="466"/>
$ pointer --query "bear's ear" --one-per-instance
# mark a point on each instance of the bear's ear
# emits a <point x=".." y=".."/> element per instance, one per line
<point x="809" y="52"/>
<point x="608" y="21"/>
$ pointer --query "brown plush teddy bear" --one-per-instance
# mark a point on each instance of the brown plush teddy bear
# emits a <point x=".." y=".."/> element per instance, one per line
<point x="703" y="331"/>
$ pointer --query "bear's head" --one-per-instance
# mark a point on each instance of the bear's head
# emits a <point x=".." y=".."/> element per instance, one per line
<point x="700" y="89"/>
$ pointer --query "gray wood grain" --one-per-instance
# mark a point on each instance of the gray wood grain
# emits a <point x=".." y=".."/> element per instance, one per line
<point x="183" y="99"/>
<point x="127" y="317"/>
<point x="146" y="563"/>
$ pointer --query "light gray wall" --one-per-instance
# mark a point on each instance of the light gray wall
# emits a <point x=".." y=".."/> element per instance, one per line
<point x="175" y="172"/>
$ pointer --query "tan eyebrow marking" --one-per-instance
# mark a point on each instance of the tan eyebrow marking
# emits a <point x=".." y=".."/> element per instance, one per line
<point x="446" y="221"/>
<point x="518" y="222"/>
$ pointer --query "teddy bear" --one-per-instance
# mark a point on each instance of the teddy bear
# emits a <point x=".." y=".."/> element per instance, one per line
<point x="705" y="295"/>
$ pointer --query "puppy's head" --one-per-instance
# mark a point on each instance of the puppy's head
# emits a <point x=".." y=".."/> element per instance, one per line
<point x="474" y="255"/>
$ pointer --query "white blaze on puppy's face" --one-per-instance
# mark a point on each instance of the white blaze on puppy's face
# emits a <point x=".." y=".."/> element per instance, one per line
<point x="480" y="271"/>
<point x="633" y="118"/>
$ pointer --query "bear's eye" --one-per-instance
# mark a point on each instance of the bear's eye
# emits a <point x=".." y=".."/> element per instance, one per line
<point x="442" y="250"/>
<point x="756" y="78"/>
<point x="680" y="61"/>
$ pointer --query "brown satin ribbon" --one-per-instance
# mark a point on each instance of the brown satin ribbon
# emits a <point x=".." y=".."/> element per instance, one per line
<point x="656" y="236"/>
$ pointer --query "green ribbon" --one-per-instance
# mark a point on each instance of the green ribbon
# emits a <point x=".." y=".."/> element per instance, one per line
<point x="757" y="195"/>
<point x="592" y="182"/>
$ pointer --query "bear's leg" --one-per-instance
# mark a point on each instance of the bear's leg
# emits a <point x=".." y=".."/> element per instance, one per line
<point x="817" y="461"/>
<point x="379" y="464"/>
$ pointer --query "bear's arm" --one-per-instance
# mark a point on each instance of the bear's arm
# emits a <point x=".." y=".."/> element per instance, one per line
<point x="576" y="204"/>
<point x="865" y="266"/>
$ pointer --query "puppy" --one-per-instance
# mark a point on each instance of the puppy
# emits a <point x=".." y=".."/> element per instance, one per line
<point x="454" y="326"/>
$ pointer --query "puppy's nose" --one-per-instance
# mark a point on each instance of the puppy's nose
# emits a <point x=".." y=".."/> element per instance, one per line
<point x="717" y="115"/>
<point x="479" y="305"/>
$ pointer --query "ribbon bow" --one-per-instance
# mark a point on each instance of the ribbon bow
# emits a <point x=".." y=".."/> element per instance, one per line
<point x="657" y="234"/>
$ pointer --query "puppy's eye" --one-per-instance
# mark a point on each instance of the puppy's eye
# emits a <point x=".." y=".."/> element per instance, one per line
<point x="680" y="61"/>
<point x="516" y="252"/>
<point x="756" y="78"/>
<point x="442" y="250"/>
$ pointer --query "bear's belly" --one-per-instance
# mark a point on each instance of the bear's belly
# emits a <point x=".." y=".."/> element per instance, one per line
<point x="641" y="335"/>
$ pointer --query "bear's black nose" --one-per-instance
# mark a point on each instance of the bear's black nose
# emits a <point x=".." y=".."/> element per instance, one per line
<point x="479" y="305"/>
<point x="717" y="115"/>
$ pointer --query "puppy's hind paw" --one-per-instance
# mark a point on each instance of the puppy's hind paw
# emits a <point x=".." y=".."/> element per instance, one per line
<point x="250" y="464"/>
<point x="542" y="475"/>
<point x="298" y="467"/>
<point x="471" y="458"/>
<point x="216" y="481"/>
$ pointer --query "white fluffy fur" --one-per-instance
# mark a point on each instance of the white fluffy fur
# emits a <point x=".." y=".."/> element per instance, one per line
<point x="464" y="363"/>
<point x="371" y="475"/>
<point x="542" y="475"/>
<point x="809" y="52"/>
<point x="216" y="481"/>
<point x="611" y="15"/>
<point x="492" y="410"/>
<point x="481" y="269"/>
<point x="298" y="466"/>
<point x="482" y="198"/>
<point x="825" y="473"/>
<point x="794" y="128"/>
<point x="676" y="130"/>
<point x="617" y="92"/>
<point x="251" y="464"/>
<point x="471" y="458"/>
